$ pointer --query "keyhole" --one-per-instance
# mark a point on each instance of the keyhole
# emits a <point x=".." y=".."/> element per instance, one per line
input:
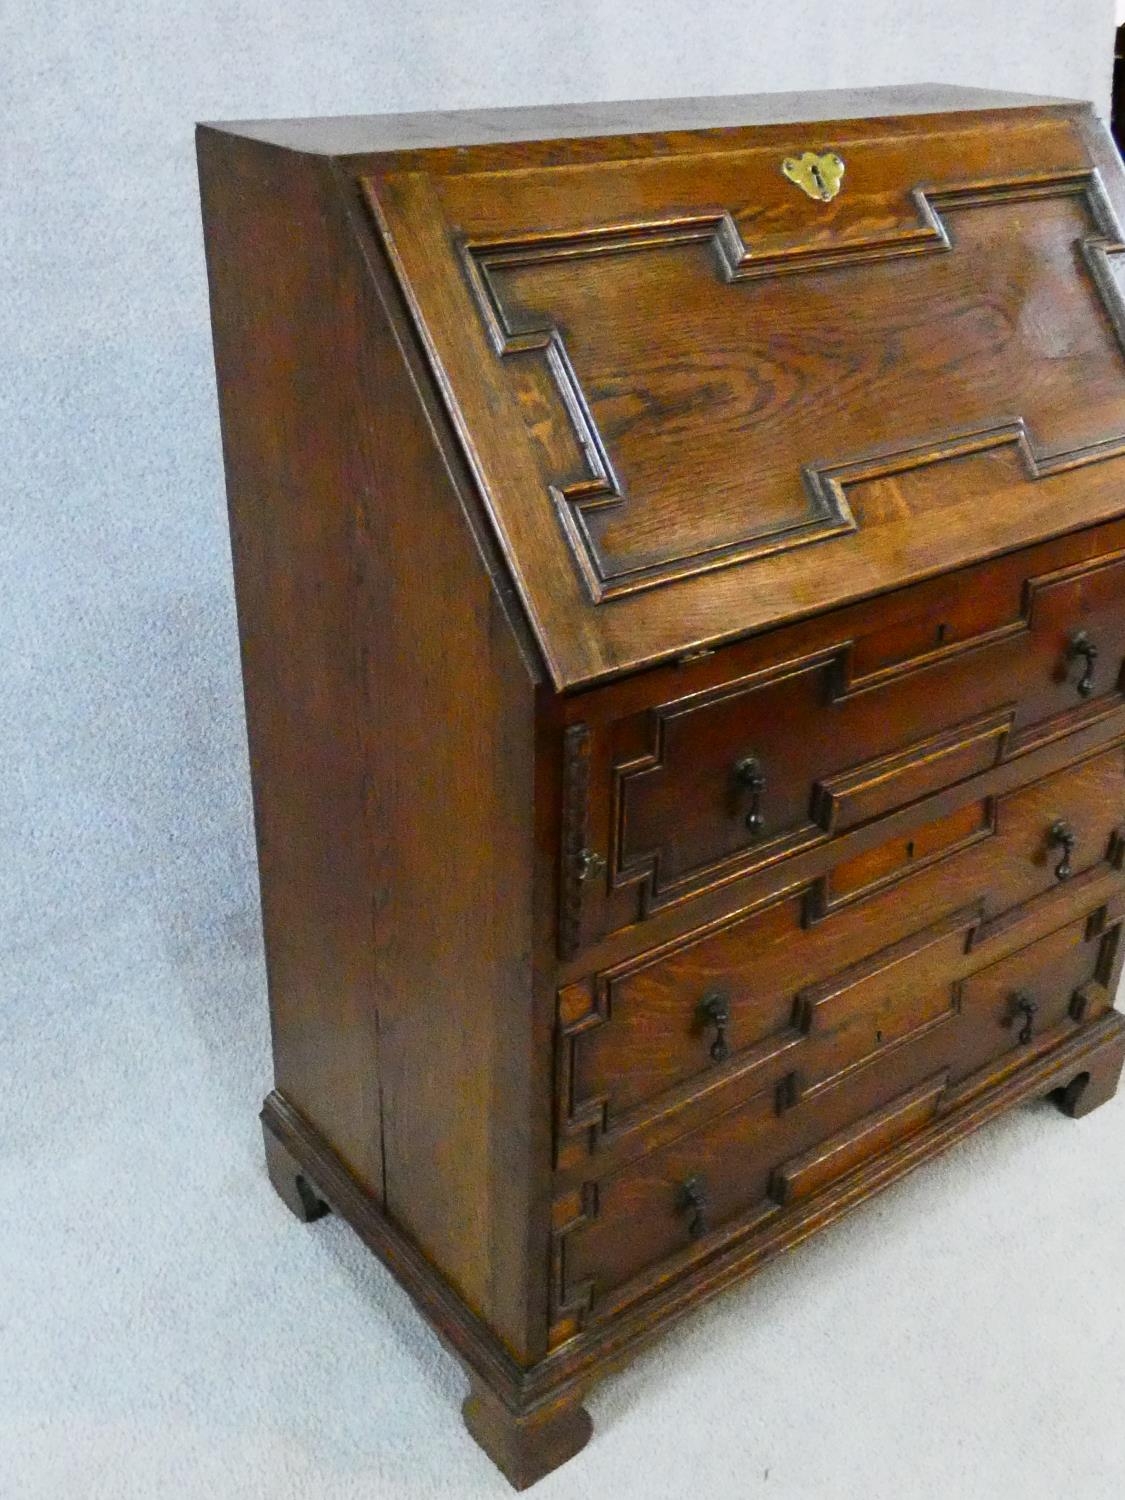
<point x="910" y="849"/>
<point x="942" y="631"/>
<point x="879" y="1038"/>
<point x="818" y="179"/>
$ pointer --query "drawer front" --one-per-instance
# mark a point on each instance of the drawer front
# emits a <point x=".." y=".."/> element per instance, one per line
<point x="1016" y="1008"/>
<point x="673" y="1205"/>
<point x="958" y="1033"/>
<point x="780" y="989"/>
<point x="801" y="740"/>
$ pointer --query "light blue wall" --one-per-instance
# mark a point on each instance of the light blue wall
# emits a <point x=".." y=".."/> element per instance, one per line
<point x="124" y="804"/>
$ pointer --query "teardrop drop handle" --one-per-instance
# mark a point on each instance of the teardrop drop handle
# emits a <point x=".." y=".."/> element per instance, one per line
<point x="1023" y="1005"/>
<point x="714" y="1010"/>
<point x="1082" y="648"/>
<point x="1061" y="836"/>
<point x="749" y="774"/>
<point x="692" y="1199"/>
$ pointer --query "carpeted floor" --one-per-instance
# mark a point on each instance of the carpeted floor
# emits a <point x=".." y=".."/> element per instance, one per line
<point x="169" y="1330"/>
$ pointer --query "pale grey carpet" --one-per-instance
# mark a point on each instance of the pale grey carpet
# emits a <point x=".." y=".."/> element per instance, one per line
<point x="166" y="1329"/>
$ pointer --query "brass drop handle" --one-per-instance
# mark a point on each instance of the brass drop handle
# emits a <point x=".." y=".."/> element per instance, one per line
<point x="1023" y="1005"/>
<point x="1061" y="836"/>
<point x="749" y="774"/>
<point x="1082" y="647"/>
<point x="692" y="1199"/>
<point x="714" y="1010"/>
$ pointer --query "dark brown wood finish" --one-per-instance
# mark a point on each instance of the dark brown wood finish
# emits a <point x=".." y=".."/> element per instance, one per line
<point x="398" y="916"/>
<point x="863" y="1062"/>
<point x="821" y="378"/>
<point x="636" y="1044"/>
<point x="682" y="629"/>
<point x="527" y="1446"/>
<point x="846" y="719"/>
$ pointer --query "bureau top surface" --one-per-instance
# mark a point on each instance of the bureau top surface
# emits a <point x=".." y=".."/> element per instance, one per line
<point x="719" y="364"/>
<point x="355" y="135"/>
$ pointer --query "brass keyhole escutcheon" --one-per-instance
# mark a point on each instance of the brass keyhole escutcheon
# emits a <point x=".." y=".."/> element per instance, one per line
<point x="819" y="176"/>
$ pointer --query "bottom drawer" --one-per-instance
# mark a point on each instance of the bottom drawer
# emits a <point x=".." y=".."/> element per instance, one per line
<point x="653" y="1217"/>
<point x="1021" y="1006"/>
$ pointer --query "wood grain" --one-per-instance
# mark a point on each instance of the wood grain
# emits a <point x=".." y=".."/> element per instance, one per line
<point x="393" y="745"/>
<point x="613" y="426"/>
<point x="684" y="654"/>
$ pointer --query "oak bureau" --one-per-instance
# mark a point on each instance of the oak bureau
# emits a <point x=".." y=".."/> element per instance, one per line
<point x="680" y="563"/>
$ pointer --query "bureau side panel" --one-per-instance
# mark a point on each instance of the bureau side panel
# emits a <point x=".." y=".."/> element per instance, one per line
<point x="391" y="712"/>
<point x="294" y="526"/>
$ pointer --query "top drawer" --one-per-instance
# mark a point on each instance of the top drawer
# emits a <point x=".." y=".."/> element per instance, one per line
<point x="682" y="780"/>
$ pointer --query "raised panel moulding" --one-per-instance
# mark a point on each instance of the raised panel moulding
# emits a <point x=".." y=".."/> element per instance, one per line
<point x="818" y="507"/>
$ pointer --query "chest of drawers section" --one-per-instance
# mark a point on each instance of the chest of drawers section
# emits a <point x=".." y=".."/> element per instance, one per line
<point x="913" y="894"/>
<point x="708" y="1089"/>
